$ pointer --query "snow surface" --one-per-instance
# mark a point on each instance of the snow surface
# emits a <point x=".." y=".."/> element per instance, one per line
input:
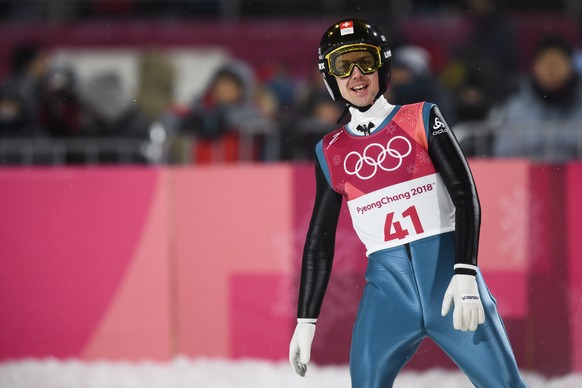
<point x="210" y="373"/>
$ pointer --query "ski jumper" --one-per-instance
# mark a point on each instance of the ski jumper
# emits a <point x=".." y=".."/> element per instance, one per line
<point x="413" y="204"/>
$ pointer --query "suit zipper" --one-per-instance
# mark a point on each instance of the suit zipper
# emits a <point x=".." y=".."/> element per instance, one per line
<point x="408" y="251"/>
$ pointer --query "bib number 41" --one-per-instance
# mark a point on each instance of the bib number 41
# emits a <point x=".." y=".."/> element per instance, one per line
<point x="393" y="228"/>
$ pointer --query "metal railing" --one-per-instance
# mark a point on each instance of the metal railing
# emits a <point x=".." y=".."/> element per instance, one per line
<point x="46" y="151"/>
<point x="549" y="141"/>
<point x="161" y="148"/>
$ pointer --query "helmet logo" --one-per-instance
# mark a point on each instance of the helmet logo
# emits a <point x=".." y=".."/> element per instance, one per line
<point x="346" y="27"/>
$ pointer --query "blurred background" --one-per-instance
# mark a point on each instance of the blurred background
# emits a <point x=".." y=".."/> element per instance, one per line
<point x="157" y="178"/>
<point x="202" y="81"/>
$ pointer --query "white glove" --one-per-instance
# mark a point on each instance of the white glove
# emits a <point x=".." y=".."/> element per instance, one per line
<point x="300" y="347"/>
<point x="463" y="291"/>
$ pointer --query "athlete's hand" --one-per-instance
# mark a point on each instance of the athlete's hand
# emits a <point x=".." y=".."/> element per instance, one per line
<point x="463" y="292"/>
<point x="300" y="347"/>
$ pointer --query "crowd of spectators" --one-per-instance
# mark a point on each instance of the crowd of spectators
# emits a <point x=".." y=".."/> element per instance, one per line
<point x="266" y="114"/>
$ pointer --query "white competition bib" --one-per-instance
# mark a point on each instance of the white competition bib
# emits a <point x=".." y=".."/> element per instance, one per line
<point x="402" y="213"/>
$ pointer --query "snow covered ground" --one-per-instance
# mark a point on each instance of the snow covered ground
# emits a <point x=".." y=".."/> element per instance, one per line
<point x="205" y="373"/>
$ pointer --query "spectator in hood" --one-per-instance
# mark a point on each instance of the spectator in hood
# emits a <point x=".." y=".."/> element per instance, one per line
<point x="224" y="110"/>
<point x="317" y="114"/>
<point x="412" y="81"/>
<point x="60" y="110"/>
<point x="542" y="119"/>
<point x="15" y="118"/>
<point x="110" y="111"/>
<point x="226" y="100"/>
<point x="28" y="65"/>
<point x="480" y="72"/>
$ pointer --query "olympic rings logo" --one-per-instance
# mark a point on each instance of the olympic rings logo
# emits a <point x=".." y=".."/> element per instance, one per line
<point x="366" y="159"/>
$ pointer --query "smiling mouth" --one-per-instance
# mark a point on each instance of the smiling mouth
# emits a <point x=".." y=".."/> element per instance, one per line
<point x="359" y="88"/>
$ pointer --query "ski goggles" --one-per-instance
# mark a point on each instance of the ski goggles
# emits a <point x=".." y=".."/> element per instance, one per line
<point x="342" y="60"/>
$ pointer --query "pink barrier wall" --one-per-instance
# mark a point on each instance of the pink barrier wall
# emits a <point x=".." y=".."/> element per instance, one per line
<point x="132" y="263"/>
<point x="574" y="269"/>
<point x="231" y="229"/>
<point x="84" y="263"/>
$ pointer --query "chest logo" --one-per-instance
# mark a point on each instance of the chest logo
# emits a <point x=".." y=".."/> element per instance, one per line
<point x="375" y="156"/>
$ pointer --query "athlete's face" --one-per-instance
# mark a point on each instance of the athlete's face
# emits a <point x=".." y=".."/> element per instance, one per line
<point x="358" y="88"/>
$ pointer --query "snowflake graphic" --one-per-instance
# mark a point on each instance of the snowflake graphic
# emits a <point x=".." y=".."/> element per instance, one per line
<point x="337" y="159"/>
<point x="535" y="228"/>
<point x="408" y="116"/>
<point x="515" y="221"/>
<point x="423" y="157"/>
<point x="341" y="186"/>
<point x="392" y="128"/>
<point x="411" y="168"/>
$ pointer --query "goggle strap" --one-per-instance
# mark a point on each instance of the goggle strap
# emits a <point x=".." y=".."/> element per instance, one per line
<point x="353" y="47"/>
